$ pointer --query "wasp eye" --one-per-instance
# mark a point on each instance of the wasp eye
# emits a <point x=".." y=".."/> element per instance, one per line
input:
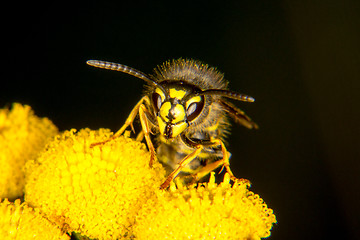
<point x="194" y="110"/>
<point x="156" y="98"/>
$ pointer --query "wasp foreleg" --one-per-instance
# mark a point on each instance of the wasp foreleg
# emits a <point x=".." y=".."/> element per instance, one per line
<point x="129" y="121"/>
<point x="146" y="129"/>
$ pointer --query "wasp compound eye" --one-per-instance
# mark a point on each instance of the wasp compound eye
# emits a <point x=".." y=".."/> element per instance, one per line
<point x="156" y="98"/>
<point x="194" y="107"/>
<point x="194" y="110"/>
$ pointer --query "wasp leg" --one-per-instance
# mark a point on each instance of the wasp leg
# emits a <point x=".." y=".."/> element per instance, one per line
<point x="129" y="122"/>
<point x="146" y="129"/>
<point x="182" y="164"/>
<point x="140" y="136"/>
<point x="224" y="162"/>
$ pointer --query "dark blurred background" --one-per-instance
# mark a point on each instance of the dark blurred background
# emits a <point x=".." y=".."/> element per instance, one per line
<point x="299" y="60"/>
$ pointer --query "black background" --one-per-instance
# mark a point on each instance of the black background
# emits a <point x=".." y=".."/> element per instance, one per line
<point x="300" y="61"/>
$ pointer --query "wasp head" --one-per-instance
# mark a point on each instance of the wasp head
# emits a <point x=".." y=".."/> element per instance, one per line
<point x="176" y="107"/>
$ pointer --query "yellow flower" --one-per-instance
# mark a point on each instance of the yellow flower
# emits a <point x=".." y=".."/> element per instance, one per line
<point x="18" y="221"/>
<point x="110" y="191"/>
<point x="209" y="211"/>
<point x="22" y="136"/>
<point x="94" y="191"/>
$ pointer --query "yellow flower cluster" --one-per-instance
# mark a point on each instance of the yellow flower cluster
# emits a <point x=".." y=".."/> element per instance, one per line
<point x="22" y="136"/>
<point x="110" y="192"/>
<point x="94" y="191"/>
<point x="205" y="211"/>
<point x="21" y="222"/>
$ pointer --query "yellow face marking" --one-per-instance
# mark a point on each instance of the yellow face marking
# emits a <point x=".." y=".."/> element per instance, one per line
<point x="164" y="110"/>
<point x="191" y="100"/>
<point x="162" y="125"/>
<point x="178" y="128"/>
<point x="178" y="112"/>
<point x="162" y="95"/>
<point x="179" y="94"/>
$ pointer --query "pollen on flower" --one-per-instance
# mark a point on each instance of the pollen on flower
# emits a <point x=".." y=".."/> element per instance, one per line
<point x="22" y="136"/>
<point x="97" y="191"/>
<point x="19" y="221"/>
<point x="207" y="211"/>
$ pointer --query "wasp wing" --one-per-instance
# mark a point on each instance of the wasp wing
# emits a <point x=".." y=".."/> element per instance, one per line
<point x="238" y="115"/>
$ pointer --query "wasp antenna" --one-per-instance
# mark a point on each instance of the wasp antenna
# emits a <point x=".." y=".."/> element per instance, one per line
<point x="121" y="68"/>
<point x="228" y="94"/>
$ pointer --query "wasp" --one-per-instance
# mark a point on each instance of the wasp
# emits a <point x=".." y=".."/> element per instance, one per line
<point x="185" y="108"/>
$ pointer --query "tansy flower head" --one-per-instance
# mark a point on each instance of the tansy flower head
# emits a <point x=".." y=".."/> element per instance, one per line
<point x="207" y="211"/>
<point x="22" y="136"/>
<point x="18" y="221"/>
<point x="94" y="191"/>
